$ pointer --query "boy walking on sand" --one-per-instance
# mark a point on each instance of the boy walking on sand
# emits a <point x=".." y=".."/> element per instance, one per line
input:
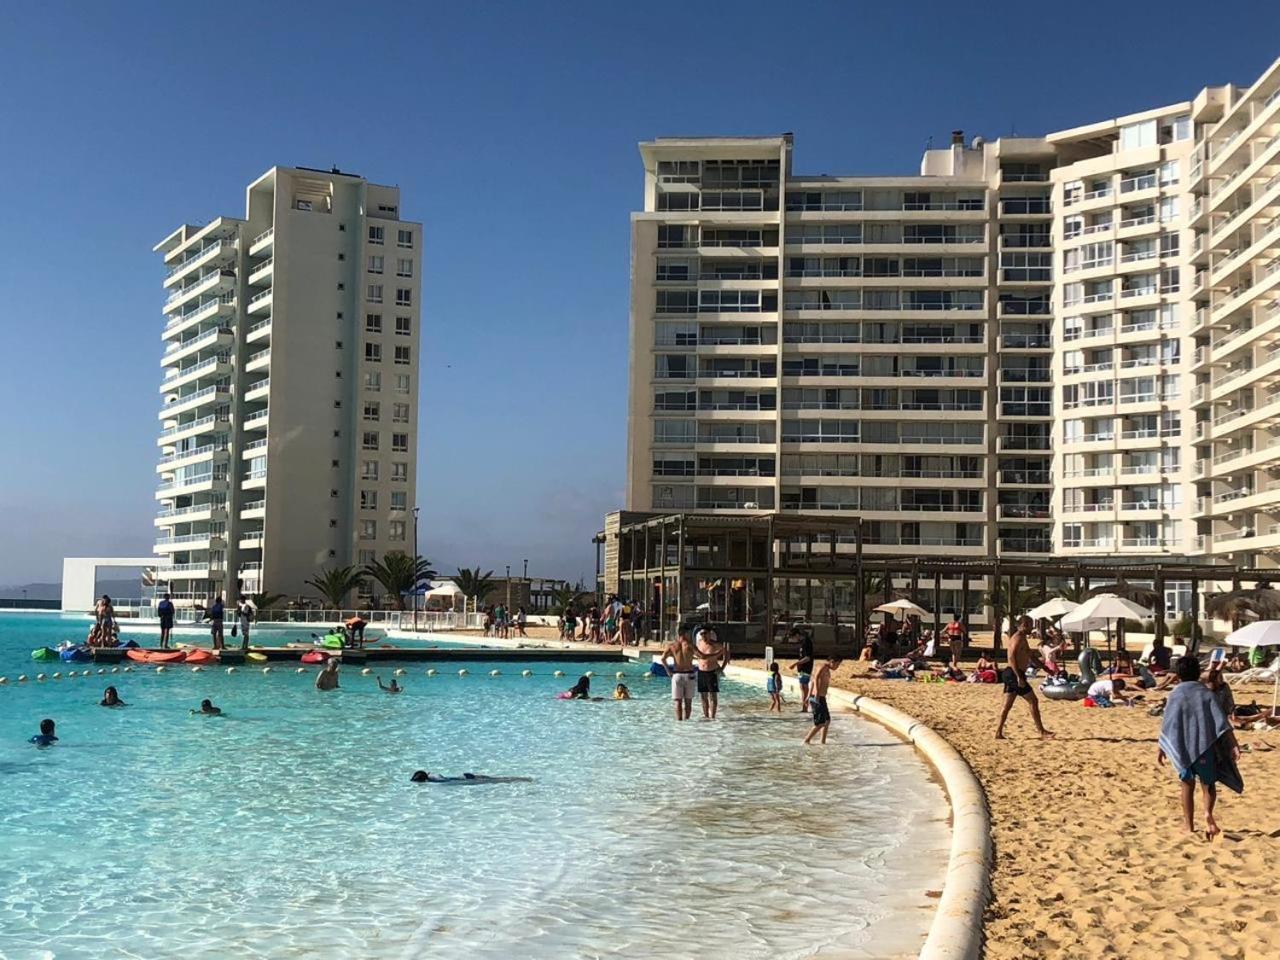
<point x="818" y="700"/>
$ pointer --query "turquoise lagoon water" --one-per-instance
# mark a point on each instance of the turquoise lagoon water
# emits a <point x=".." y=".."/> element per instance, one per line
<point x="289" y="828"/>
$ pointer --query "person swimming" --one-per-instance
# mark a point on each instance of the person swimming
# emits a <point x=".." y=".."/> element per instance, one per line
<point x="620" y="692"/>
<point x="46" y="737"/>
<point x="424" y="776"/>
<point x="111" y="698"/>
<point x="392" y="687"/>
<point x="579" y="691"/>
<point x="208" y="709"/>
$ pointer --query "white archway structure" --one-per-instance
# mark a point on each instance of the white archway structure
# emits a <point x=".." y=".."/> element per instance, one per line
<point x="80" y="578"/>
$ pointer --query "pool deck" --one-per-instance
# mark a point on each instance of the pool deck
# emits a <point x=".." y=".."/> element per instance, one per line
<point x="379" y="654"/>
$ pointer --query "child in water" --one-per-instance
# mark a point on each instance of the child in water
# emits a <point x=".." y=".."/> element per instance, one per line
<point x="392" y="688"/>
<point x="208" y="709"/>
<point x="46" y="737"/>
<point x="111" y="698"/>
<point x="774" y="686"/>
<point x="620" y="692"/>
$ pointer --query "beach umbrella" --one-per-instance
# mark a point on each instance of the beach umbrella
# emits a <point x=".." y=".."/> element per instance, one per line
<point x="1052" y="609"/>
<point x="1098" y="613"/>
<point x="1122" y="588"/>
<point x="903" y="608"/>
<point x="1260" y="633"/>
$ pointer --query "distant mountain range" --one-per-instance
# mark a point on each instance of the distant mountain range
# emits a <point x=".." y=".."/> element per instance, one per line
<point x="53" y="591"/>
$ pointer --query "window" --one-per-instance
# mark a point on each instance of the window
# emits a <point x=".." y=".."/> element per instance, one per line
<point x="395" y="530"/>
<point x="332" y="524"/>
<point x="373" y="352"/>
<point x="1135" y="135"/>
<point x="404" y="355"/>
<point x="341" y="257"/>
<point x="375" y="235"/>
<point x="338" y="374"/>
<point x="366" y="557"/>
<point x="404" y="267"/>
<point x="373" y="322"/>
<point x="337" y="404"/>
<point x="368" y="469"/>
<point x="677" y="301"/>
<point x="368" y="529"/>
<point x="399" y="500"/>
<point x="404" y="238"/>
<point x="368" y="499"/>
<point x="342" y="286"/>
<point x="375" y="293"/>
<point x="384" y="208"/>
<point x="402" y="383"/>
<point x="1169" y="173"/>
<point x="337" y="344"/>
<point x="404" y="326"/>
<point x="337" y="434"/>
<point x="399" y="443"/>
<point x="404" y="296"/>
<point x="373" y="380"/>
<point x="369" y="440"/>
<point x="375" y="263"/>
<point x="400" y="472"/>
<point x="400" y="413"/>
<point x="333" y="494"/>
<point x="335" y="464"/>
<point x="372" y="409"/>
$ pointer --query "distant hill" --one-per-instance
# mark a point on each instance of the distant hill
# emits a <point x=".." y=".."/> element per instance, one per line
<point x="53" y="591"/>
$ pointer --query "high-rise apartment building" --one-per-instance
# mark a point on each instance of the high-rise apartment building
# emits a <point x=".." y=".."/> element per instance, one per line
<point x="290" y="392"/>
<point x="1049" y="345"/>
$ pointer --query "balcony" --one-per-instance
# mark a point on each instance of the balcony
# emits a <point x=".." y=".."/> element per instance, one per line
<point x="263" y="242"/>
<point x="191" y="514"/>
<point x="220" y="306"/>
<point x="253" y="510"/>
<point x="259" y="331"/>
<point x="258" y="361"/>
<point x="211" y="251"/>
<point x="192" y="401"/>
<point x="194" y="455"/>
<point x="191" y="428"/>
<point x="260" y="273"/>
<point x="176" y="377"/>
<point x="212" y="283"/>
<point x="179" y="350"/>
<point x="260" y="302"/>
<point x="258" y="390"/>
<point x="256" y="421"/>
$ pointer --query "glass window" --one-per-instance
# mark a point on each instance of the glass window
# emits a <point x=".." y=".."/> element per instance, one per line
<point x="369" y="469"/>
<point x="368" y="529"/>
<point x="400" y="472"/>
<point x="373" y="380"/>
<point x="375" y="263"/>
<point x="373" y="322"/>
<point x="374" y="293"/>
<point x="404" y="238"/>
<point x="404" y="267"/>
<point x="404" y="326"/>
<point x="372" y="410"/>
<point x="400" y="413"/>
<point x="395" y="530"/>
<point x="403" y="355"/>
<point x="373" y="352"/>
<point x="399" y="443"/>
<point x="402" y="383"/>
<point x="1135" y="135"/>
<point x="399" y="500"/>
<point x="368" y="499"/>
<point x="369" y="441"/>
<point x="375" y="235"/>
<point x="404" y="296"/>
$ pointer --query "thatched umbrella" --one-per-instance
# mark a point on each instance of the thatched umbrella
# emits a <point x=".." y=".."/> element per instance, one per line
<point x="1142" y="596"/>
<point x="1235" y="606"/>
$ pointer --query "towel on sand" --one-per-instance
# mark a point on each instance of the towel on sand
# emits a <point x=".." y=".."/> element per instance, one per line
<point x="1193" y="725"/>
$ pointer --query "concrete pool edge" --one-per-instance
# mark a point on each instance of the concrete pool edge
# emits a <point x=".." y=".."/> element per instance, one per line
<point x="955" y="933"/>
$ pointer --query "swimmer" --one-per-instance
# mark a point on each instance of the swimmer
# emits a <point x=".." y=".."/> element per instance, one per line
<point x="393" y="687"/>
<point x="327" y="679"/>
<point x="423" y="776"/>
<point x="208" y="709"/>
<point x="111" y="698"/>
<point x="580" y="690"/>
<point x="620" y="692"/>
<point x="46" y="737"/>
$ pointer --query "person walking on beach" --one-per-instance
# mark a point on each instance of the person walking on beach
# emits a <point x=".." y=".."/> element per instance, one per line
<point x="164" y="609"/>
<point x="1018" y="657"/>
<point x="821" y="713"/>
<point x="244" y="614"/>
<point x="215" y="615"/>
<point x="1196" y="735"/>
<point x="680" y="652"/>
<point x="713" y="656"/>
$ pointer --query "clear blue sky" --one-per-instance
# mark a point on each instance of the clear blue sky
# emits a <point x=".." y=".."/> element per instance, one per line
<point x="511" y="129"/>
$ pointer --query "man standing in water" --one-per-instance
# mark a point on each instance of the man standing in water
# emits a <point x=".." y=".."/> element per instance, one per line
<point x="681" y="673"/>
<point x="821" y="713"/>
<point x="327" y="679"/>
<point x="1018" y="657"/>
<point x="713" y="656"/>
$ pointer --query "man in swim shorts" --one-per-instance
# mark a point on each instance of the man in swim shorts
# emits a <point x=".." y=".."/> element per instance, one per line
<point x="821" y="713"/>
<point x="1018" y="657"/>
<point x="803" y="665"/>
<point x="680" y="670"/>
<point x="164" y="609"/>
<point x="712" y="658"/>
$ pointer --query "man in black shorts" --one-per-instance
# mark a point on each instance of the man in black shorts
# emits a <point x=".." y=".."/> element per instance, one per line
<point x="818" y="701"/>
<point x="712" y="656"/>
<point x="1018" y="656"/>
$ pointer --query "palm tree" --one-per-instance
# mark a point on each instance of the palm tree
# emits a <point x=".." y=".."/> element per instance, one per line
<point x="266" y="601"/>
<point x="562" y="598"/>
<point x="1236" y="605"/>
<point x="399" y="573"/>
<point x="873" y="591"/>
<point x="1142" y="596"/>
<point x="1069" y="591"/>
<point x="1023" y="597"/>
<point x="474" y="584"/>
<point x="335" y="583"/>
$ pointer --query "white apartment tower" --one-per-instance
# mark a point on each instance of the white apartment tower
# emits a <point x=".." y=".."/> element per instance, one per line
<point x="289" y="399"/>
<point x="1064" y="345"/>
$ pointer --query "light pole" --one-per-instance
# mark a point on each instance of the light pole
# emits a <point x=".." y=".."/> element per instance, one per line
<point x="527" y="599"/>
<point x="415" y="569"/>
<point x="508" y="588"/>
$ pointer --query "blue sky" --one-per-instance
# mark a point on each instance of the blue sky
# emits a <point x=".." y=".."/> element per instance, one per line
<point x="511" y="129"/>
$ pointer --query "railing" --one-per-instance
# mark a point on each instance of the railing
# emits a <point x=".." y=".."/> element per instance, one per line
<point x="265" y="234"/>
<point x="1133" y="184"/>
<point x="256" y="444"/>
<point x="1138" y="221"/>
<point x="188" y="538"/>
<point x="258" y="268"/>
<point x="1025" y="476"/>
<point x="198" y="282"/>
<point x="266" y="322"/>
<point x="185" y="567"/>
<point x="188" y="511"/>
<point x="178" y="373"/>
<point x="195" y="452"/>
<point x="1026" y="340"/>
<point x="198" y="395"/>
<point x="255" y="417"/>
<point x="204" y="305"/>
<point x="191" y="258"/>
<point x="1025" y="545"/>
<point x="258" y="297"/>
<point x="253" y="505"/>
<point x="1097" y="228"/>
<point x="260" y="355"/>
<point x="192" y="425"/>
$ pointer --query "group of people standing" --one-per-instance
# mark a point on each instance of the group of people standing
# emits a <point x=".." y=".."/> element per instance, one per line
<point x="499" y="622"/>
<point x="618" y="621"/>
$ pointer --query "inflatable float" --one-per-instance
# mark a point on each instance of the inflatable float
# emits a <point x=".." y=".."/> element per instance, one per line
<point x="332" y="641"/>
<point x="256" y="657"/>
<point x="75" y="654"/>
<point x="1068" y="688"/>
<point x="200" y="656"/>
<point x="155" y="656"/>
<point x="315" y="656"/>
<point x="44" y="653"/>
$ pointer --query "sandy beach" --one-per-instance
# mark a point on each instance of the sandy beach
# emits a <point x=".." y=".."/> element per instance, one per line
<point x="1091" y="859"/>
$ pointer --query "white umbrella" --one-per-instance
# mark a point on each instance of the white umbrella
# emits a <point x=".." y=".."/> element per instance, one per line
<point x="1052" y="609"/>
<point x="446" y="589"/>
<point x="904" y="608"/>
<point x="1098" y="613"/>
<point x="1260" y="633"/>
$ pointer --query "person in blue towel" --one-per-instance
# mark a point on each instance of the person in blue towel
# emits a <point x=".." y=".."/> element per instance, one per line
<point x="46" y="736"/>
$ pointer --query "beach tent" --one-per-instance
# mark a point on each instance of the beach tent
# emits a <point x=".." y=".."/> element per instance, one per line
<point x="1052" y="609"/>
<point x="446" y="589"/>
<point x="904" y="609"/>
<point x="1260" y="633"/>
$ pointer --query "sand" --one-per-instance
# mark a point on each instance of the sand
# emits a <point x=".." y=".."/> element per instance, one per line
<point x="1091" y="858"/>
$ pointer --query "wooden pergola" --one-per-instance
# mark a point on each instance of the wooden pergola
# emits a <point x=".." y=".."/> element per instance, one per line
<point x="665" y="557"/>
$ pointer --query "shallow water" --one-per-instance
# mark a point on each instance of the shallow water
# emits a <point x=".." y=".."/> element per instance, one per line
<point x="289" y="828"/>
